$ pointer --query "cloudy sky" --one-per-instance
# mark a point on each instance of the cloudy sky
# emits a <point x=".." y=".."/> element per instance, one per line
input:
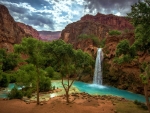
<point x="54" y="15"/>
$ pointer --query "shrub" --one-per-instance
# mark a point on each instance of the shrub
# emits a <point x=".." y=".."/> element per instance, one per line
<point x="140" y="104"/>
<point x="28" y="92"/>
<point x="56" y="76"/>
<point x="45" y="84"/>
<point x="50" y="72"/>
<point x="4" y="81"/>
<point x="114" y="32"/>
<point x="15" y="94"/>
<point x="94" y="38"/>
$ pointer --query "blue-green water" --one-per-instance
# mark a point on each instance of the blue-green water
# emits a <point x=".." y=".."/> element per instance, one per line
<point x="4" y="93"/>
<point x="91" y="89"/>
<point x="107" y="90"/>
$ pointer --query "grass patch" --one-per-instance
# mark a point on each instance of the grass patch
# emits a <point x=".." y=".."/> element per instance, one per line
<point x="128" y="107"/>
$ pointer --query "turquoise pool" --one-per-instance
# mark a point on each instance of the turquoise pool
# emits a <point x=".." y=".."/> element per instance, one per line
<point x="107" y="90"/>
<point x="91" y="89"/>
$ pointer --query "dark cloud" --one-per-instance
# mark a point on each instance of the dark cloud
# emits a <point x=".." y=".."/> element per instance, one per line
<point x="108" y="6"/>
<point x="39" y="20"/>
<point x="25" y="15"/>
<point x="34" y="3"/>
<point x="56" y="14"/>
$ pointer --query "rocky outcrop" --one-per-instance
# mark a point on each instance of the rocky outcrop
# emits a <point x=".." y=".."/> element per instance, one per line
<point x="49" y="35"/>
<point x="112" y="21"/>
<point x="72" y="32"/>
<point x="29" y="30"/>
<point x="10" y="32"/>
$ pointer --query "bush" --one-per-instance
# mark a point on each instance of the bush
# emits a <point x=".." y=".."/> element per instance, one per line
<point x="45" y="84"/>
<point x="15" y="94"/>
<point x="94" y="38"/>
<point x="56" y="76"/>
<point x="140" y="104"/>
<point x="4" y="81"/>
<point x="12" y="78"/>
<point x="114" y="32"/>
<point x="50" y="71"/>
<point x="28" y="92"/>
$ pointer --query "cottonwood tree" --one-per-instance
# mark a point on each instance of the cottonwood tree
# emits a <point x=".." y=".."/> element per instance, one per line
<point x="145" y="76"/>
<point x="140" y="16"/>
<point x="68" y="61"/>
<point x="32" y="48"/>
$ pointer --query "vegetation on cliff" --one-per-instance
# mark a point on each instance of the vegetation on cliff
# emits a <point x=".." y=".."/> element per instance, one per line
<point x="125" y="53"/>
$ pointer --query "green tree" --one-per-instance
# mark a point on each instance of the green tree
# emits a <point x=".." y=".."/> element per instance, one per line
<point x="26" y="75"/>
<point x="122" y="47"/>
<point x="141" y="20"/>
<point x="140" y="15"/>
<point x="145" y="76"/>
<point x="124" y="52"/>
<point x="68" y="62"/>
<point x="33" y="49"/>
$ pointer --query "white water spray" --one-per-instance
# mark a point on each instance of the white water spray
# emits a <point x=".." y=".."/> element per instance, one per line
<point x="97" y="79"/>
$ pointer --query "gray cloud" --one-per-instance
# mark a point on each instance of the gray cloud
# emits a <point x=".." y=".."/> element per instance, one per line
<point x="56" y="14"/>
<point x="109" y="6"/>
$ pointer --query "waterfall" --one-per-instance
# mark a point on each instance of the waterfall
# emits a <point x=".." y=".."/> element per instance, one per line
<point x="97" y="79"/>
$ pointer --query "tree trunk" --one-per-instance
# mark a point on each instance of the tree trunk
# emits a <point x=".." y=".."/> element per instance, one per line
<point x="146" y="96"/>
<point x="67" y="96"/>
<point x="67" y="88"/>
<point x="38" y="87"/>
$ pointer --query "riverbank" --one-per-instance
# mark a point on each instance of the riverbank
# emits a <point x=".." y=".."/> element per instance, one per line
<point x="82" y="103"/>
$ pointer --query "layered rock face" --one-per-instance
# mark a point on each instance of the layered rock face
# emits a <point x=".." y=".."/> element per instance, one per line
<point x="112" y="21"/>
<point x="10" y="32"/>
<point x="29" y="30"/>
<point x="72" y="32"/>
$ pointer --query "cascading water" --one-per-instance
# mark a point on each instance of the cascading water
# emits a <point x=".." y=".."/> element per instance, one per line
<point x="97" y="79"/>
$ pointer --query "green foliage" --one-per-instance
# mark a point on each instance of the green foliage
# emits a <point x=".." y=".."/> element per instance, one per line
<point x="57" y="76"/>
<point x="122" y="48"/>
<point x="83" y="36"/>
<point x="114" y="32"/>
<point x="140" y="13"/>
<point x="50" y="72"/>
<point x="94" y="38"/>
<point x="15" y="94"/>
<point x="45" y="83"/>
<point x="124" y="52"/>
<point x="140" y="104"/>
<point x="102" y="42"/>
<point x="140" y="19"/>
<point x="145" y="75"/>
<point x="10" y="61"/>
<point x="28" y="92"/>
<point x="4" y="81"/>
<point x="26" y="74"/>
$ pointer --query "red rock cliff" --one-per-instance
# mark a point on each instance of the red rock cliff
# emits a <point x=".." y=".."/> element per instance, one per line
<point x="10" y="32"/>
<point x="114" y="22"/>
<point x="72" y="32"/>
<point x="29" y="30"/>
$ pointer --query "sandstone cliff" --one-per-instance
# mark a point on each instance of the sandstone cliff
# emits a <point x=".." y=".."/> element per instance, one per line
<point x="10" y="32"/>
<point x="29" y="30"/>
<point x="72" y="32"/>
<point x="112" y="21"/>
